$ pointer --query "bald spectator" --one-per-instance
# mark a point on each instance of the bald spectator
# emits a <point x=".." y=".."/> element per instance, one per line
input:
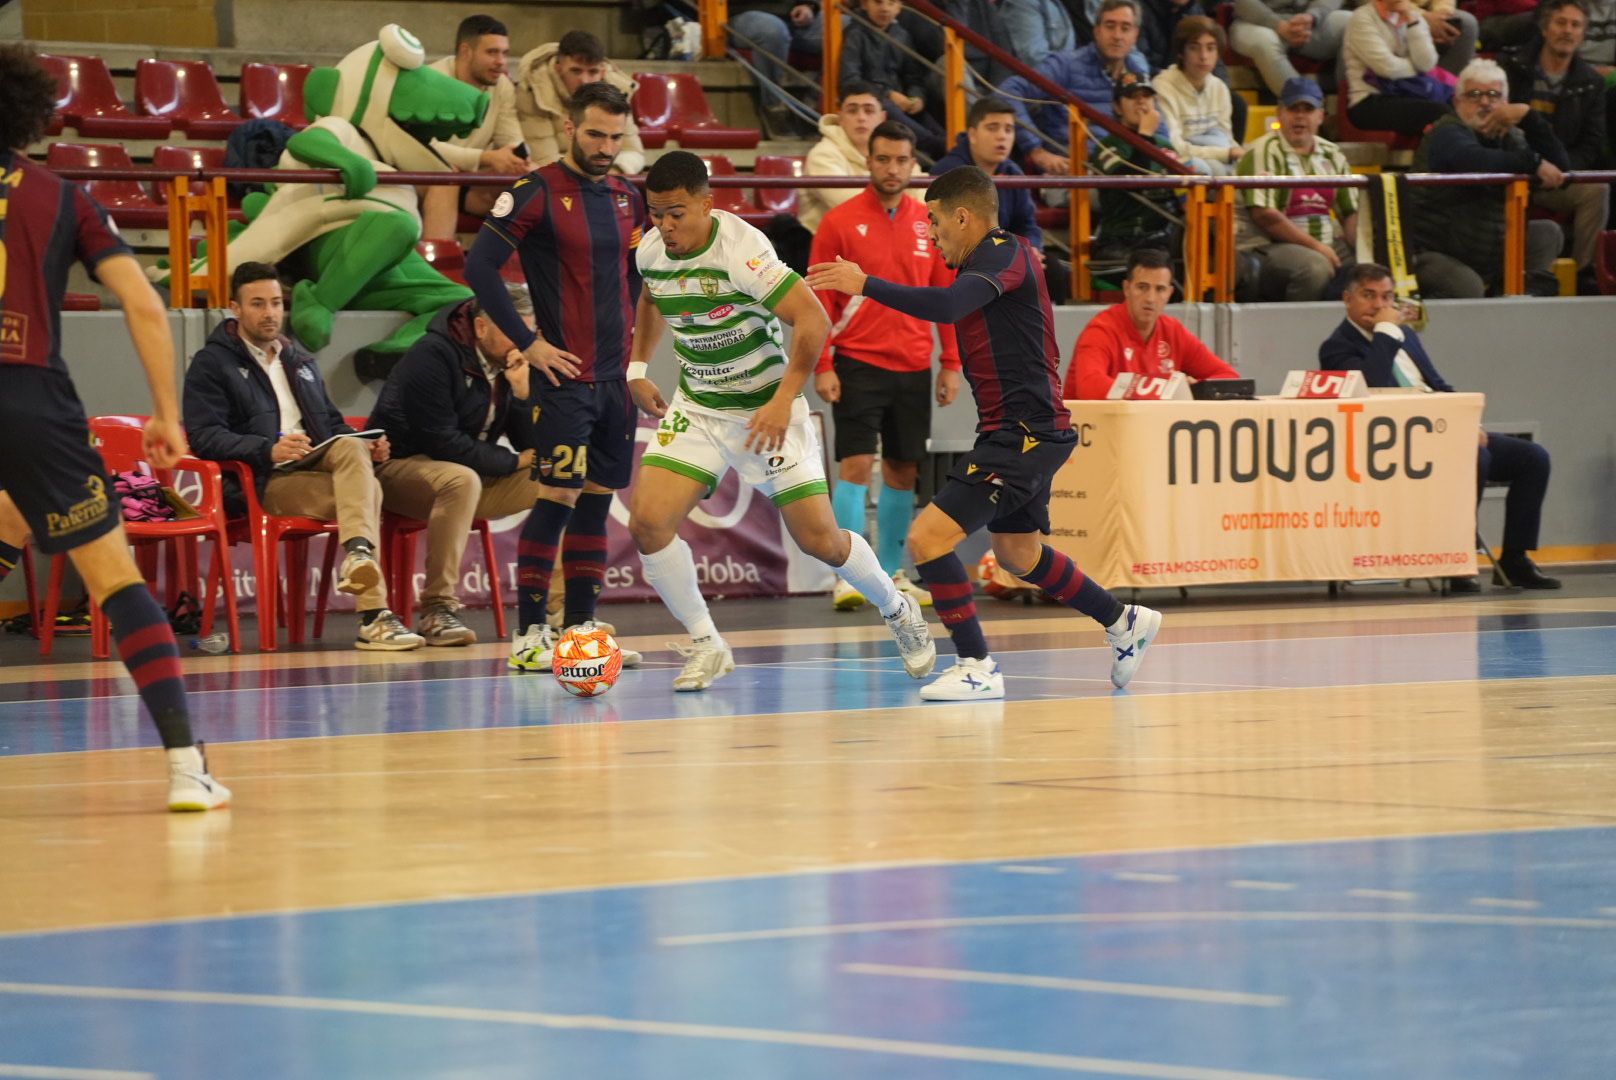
<point x="1135" y="336"/>
<point x="843" y="150"/>
<point x="546" y="79"/>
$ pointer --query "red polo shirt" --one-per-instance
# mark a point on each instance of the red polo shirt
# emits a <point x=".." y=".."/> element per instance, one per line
<point x="897" y="248"/>
<point x="1110" y="345"/>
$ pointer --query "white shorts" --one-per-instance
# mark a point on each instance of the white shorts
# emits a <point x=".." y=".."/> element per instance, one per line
<point x="704" y="446"/>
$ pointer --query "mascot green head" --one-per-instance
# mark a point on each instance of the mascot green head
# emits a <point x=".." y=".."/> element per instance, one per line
<point x="384" y="89"/>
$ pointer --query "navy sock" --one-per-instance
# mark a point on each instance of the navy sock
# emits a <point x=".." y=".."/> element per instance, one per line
<point x="1059" y="576"/>
<point x="535" y="560"/>
<point x="950" y="587"/>
<point x="9" y="558"/>
<point x="146" y="643"/>
<point x="583" y="556"/>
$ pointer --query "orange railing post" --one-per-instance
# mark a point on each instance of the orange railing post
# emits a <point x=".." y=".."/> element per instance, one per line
<point x="714" y="16"/>
<point x="1223" y="253"/>
<point x="1079" y="216"/>
<point x="830" y="75"/>
<point x="211" y="208"/>
<point x="1195" y="246"/>
<point x="954" y="83"/>
<point x="1516" y="196"/>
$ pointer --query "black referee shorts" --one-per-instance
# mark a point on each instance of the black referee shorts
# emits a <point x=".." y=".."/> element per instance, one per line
<point x="893" y="407"/>
<point x="47" y="464"/>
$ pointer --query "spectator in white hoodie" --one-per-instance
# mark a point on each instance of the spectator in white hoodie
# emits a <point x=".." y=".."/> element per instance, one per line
<point x="843" y="150"/>
<point x="1388" y="40"/>
<point x="1197" y="104"/>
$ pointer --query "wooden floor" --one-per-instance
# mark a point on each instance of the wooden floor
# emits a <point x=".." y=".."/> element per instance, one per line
<point x="1270" y="722"/>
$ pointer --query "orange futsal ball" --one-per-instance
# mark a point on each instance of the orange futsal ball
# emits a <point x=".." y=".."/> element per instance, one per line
<point x="587" y="661"/>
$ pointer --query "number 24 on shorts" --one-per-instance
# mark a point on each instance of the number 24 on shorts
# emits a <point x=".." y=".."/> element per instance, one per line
<point x="567" y="462"/>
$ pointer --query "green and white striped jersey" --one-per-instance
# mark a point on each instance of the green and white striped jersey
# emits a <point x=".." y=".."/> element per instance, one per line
<point x="720" y="301"/>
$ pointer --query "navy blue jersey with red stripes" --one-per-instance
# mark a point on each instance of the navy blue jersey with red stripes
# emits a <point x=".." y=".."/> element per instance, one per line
<point x="1008" y="346"/>
<point x="46" y="223"/>
<point x="576" y="239"/>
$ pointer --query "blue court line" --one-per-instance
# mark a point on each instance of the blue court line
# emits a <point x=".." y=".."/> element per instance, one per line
<point x="1375" y="960"/>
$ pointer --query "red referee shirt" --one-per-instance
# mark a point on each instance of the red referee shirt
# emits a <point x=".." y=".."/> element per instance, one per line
<point x="897" y="248"/>
<point x="1110" y="345"/>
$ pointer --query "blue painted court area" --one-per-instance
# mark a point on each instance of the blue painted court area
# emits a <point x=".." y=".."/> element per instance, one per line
<point x="810" y="678"/>
<point x="1474" y="957"/>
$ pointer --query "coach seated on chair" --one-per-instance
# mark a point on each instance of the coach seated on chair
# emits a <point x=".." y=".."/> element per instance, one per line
<point x="445" y="406"/>
<point x="252" y="395"/>
<point x="1372" y="339"/>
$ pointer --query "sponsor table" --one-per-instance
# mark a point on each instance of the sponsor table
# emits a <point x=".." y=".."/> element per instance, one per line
<point x="1211" y="492"/>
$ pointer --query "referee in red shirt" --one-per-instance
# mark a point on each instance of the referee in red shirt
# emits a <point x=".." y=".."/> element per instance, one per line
<point x="875" y="367"/>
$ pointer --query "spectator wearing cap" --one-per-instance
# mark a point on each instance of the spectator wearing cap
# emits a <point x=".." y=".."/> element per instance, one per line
<point x="546" y="79"/>
<point x="1269" y="31"/>
<point x="1300" y="239"/>
<point x="1195" y="104"/>
<point x="1388" y="55"/>
<point x="1458" y="232"/>
<point x="1142" y="218"/>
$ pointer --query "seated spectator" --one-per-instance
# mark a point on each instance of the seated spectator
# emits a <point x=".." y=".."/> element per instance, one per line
<point x="1088" y="73"/>
<point x="1453" y="31"/>
<point x="1503" y="23"/>
<point x="1388" y="56"/>
<point x="481" y="48"/>
<point x="1300" y="238"/>
<point x="986" y="142"/>
<point x="1458" y="232"/>
<point x="1136" y="336"/>
<point x="983" y="16"/>
<point x="873" y="53"/>
<point x="842" y="150"/>
<point x="445" y="406"/>
<point x="1195" y="103"/>
<point x="546" y="79"/>
<point x="1549" y="76"/>
<point x="1269" y="31"/>
<point x="1372" y="339"/>
<point x="252" y="395"/>
<point x="1134" y="219"/>
<point x="1038" y="28"/>
<point x="779" y="28"/>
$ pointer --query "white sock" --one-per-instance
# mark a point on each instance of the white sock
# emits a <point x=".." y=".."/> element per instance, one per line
<point x="862" y="570"/>
<point x="185" y="759"/>
<point x="672" y="573"/>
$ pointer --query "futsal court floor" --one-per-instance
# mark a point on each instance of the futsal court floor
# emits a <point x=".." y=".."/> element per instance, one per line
<point x="1368" y="837"/>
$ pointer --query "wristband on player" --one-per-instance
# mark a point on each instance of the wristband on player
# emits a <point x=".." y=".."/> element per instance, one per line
<point x="636" y="370"/>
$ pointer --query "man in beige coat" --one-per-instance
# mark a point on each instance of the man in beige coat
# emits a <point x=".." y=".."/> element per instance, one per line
<point x="546" y="79"/>
<point x="482" y="47"/>
<point x="843" y="150"/>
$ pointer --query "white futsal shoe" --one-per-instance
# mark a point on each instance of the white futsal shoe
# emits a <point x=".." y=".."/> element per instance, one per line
<point x="530" y="651"/>
<point x="1128" y="638"/>
<point x="908" y="626"/>
<point x="705" y="664"/>
<point x="967" y="680"/>
<point x="189" y="785"/>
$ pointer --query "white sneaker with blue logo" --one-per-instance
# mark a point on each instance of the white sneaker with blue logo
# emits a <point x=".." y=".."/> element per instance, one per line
<point x="1128" y="637"/>
<point x="967" y="680"/>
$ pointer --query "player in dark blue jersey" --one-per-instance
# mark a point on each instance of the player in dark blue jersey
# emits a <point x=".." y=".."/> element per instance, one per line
<point x="1006" y="332"/>
<point x="55" y="486"/>
<point x="575" y="227"/>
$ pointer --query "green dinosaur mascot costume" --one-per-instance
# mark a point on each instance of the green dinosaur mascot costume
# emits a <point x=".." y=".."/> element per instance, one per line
<point x="353" y="244"/>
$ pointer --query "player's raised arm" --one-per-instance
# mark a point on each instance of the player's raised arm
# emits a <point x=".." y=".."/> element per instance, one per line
<point x="147" y="319"/>
<point x="938" y="304"/>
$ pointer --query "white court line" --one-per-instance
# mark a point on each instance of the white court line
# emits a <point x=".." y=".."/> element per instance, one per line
<point x="1014" y="868"/>
<point x="1080" y="986"/>
<point x="1497" y="902"/>
<point x="897" y="925"/>
<point x="1141" y="875"/>
<point x="668" y="1029"/>
<point x="1270" y="886"/>
<point x="1607" y="911"/>
<point x="48" y="1072"/>
<point x="1389" y="894"/>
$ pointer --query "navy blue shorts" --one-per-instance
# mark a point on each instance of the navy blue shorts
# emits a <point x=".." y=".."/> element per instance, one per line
<point x="47" y="464"/>
<point x="584" y="431"/>
<point x="1003" y="483"/>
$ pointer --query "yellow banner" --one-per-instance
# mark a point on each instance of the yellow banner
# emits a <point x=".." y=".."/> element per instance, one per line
<point x="1207" y="492"/>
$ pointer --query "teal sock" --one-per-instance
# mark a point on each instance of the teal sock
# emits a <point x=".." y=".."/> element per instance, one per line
<point x="847" y="502"/>
<point x="894" y="509"/>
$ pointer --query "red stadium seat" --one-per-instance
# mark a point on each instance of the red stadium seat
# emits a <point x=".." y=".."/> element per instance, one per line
<point x="447" y="258"/>
<point x="126" y="200"/>
<point x="674" y="106"/>
<point x="88" y="101"/>
<point x="274" y="92"/>
<point x="78" y="301"/>
<point x="731" y="199"/>
<point x="778" y="200"/>
<point x="184" y="159"/>
<point x="186" y="93"/>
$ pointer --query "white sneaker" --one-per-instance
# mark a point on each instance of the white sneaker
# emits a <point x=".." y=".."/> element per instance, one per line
<point x="630" y="657"/>
<point x="846" y="598"/>
<point x="440" y="626"/>
<point x="387" y="633"/>
<point x="532" y="650"/>
<point x="967" y="680"/>
<point x="1128" y="639"/>
<point x="705" y="664"/>
<point x="901" y="581"/>
<point x="189" y="785"/>
<point x="360" y="571"/>
<point x="915" y="645"/>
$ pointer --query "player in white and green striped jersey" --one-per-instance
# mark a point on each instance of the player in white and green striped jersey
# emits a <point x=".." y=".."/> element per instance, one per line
<point x="718" y="283"/>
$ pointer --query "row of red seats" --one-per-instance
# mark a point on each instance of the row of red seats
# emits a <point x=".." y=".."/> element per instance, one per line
<point x="183" y="95"/>
<point x="128" y="201"/>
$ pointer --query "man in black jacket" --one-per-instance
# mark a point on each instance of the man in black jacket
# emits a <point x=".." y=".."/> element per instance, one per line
<point x="1459" y="231"/>
<point x="1547" y="76"/>
<point x="253" y="395"/>
<point x="1372" y="339"/>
